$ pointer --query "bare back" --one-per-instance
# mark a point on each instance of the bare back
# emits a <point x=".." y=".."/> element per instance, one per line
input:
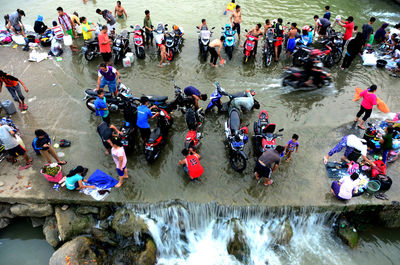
<point x="216" y="43"/>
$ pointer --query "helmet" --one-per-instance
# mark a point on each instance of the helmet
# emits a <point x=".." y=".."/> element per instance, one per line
<point x="315" y="52"/>
<point x="306" y="28"/>
<point x="176" y="27"/>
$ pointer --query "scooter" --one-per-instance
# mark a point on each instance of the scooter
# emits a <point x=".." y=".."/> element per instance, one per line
<point x="236" y="137"/>
<point x="128" y="128"/>
<point x="114" y="103"/>
<point x="269" y="51"/>
<point x="229" y="42"/>
<point x="156" y="141"/>
<point x="194" y="121"/>
<point x="172" y="43"/>
<point x="249" y="47"/>
<point x="204" y="41"/>
<point x="138" y="41"/>
<point x="264" y="133"/>
<point x="160" y="34"/>
<point x="296" y="78"/>
<point x="121" y="46"/>
<point x="91" y="49"/>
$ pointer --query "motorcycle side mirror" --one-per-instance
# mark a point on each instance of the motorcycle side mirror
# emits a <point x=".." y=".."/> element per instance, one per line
<point x="222" y="28"/>
<point x="166" y="25"/>
<point x="131" y="27"/>
<point x="246" y="30"/>
<point x="197" y="27"/>
<point x="281" y="130"/>
<point x="212" y="28"/>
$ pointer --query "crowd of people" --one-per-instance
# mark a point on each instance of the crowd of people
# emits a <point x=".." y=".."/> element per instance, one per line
<point x="108" y="75"/>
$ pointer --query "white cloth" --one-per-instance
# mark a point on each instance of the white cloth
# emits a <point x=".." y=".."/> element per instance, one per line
<point x="94" y="193"/>
<point x="357" y="143"/>
<point x="347" y="187"/>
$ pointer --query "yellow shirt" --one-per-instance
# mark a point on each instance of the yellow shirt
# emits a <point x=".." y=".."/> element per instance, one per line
<point x="231" y="6"/>
<point x="87" y="35"/>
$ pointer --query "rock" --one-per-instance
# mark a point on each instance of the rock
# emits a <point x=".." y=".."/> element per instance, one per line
<point x="37" y="221"/>
<point x="71" y="224"/>
<point x="5" y="211"/>
<point x="50" y="231"/>
<point x="32" y="210"/>
<point x="126" y="223"/>
<point x="390" y="218"/>
<point x="105" y="236"/>
<point x="4" y="222"/>
<point x="126" y="256"/>
<point x="87" y="210"/>
<point x="148" y="256"/>
<point x="81" y="250"/>
<point x="347" y="233"/>
<point x="237" y="245"/>
<point x="285" y="234"/>
<point x="105" y="212"/>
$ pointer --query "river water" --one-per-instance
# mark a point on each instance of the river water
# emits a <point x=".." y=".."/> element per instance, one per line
<point x="320" y="117"/>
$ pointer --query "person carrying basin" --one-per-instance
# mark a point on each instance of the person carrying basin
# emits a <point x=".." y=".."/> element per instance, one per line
<point x="195" y="95"/>
<point x="108" y="76"/>
<point x="354" y="148"/>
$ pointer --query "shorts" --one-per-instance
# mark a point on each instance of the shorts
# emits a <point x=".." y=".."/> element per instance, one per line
<point x="106" y="56"/>
<point x="236" y="26"/>
<point x="323" y="30"/>
<point x="263" y="171"/>
<point x="16" y="151"/>
<point x="112" y="85"/>
<point x="70" y="32"/>
<point x="278" y="41"/>
<point x="17" y="28"/>
<point x="291" y="45"/>
<point x="121" y="172"/>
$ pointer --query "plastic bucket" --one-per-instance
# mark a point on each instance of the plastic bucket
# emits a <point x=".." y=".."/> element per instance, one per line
<point x="56" y="178"/>
<point x="373" y="186"/>
<point x="67" y="40"/>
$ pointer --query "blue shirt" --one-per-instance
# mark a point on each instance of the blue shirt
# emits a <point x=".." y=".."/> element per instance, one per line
<point x="70" y="182"/>
<point x="101" y="104"/>
<point x="191" y="90"/>
<point x="143" y="115"/>
<point x="327" y="15"/>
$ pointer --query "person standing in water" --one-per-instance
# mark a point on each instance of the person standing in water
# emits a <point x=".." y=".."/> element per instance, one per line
<point x="291" y="45"/>
<point x="119" y="157"/>
<point x="369" y="100"/>
<point x="163" y="54"/>
<point x="236" y="20"/>
<point x="217" y="43"/>
<point x="120" y="11"/>
<point x="148" y="27"/>
<point x="256" y="32"/>
<point x="191" y="164"/>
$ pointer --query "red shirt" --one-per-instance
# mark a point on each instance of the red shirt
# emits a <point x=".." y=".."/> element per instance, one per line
<point x="349" y="26"/>
<point x="103" y="37"/>
<point x="194" y="167"/>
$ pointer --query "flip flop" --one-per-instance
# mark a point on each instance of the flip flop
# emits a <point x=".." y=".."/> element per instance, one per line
<point x="267" y="184"/>
<point x="361" y="127"/>
<point x="65" y="143"/>
<point x="24" y="167"/>
<point x="62" y="163"/>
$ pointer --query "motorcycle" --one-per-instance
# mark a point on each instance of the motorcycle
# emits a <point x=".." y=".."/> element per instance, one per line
<point x="160" y="34"/>
<point x="128" y="128"/>
<point x="172" y="43"/>
<point x="296" y="78"/>
<point x="91" y="49"/>
<point x="121" y="46"/>
<point x="229" y="42"/>
<point x="371" y="134"/>
<point x="249" y="47"/>
<point x="154" y="144"/>
<point x="264" y="133"/>
<point x="269" y="51"/>
<point x="204" y="40"/>
<point x="194" y="121"/>
<point x="114" y="103"/>
<point x="138" y="41"/>
<point x="236" y="138"/>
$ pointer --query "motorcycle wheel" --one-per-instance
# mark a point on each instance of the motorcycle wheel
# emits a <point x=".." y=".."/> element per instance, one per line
<point x="329" y="60"/>
<point x="204" y="55"/>
<point x="238" y="162"/>
<point x="89" y="55"/>
<point x="229" y="52"/>
<point x="298" y="56"/>
<point x="337" y="56"/>
<point x="90" y="104"/>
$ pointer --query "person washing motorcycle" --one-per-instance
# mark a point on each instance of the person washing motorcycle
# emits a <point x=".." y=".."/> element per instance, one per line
<point x="256" y="32"/>
<point x="195" y="95"/>
<point x="109" y="76"/>
<point x="191" y="163"/>
<point x="245" y="103"/>
<point x="217" y="43"/>
<point x="268" y="163"/>
<point x="101" y="107"/>
<point x="143" y="116"/>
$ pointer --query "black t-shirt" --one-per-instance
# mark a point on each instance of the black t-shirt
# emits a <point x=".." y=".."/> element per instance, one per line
<point x="104" y="131"/>
<point x="39" y="27"/>
<point x="42" y="141"/>
<point x="366" y="30"/>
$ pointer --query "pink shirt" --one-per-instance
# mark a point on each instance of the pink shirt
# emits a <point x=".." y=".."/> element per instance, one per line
<point x="103" y="37"/>
<point x="369" y="99"/>
<point x="116" y="154"/>
<point x="346" y="188"/>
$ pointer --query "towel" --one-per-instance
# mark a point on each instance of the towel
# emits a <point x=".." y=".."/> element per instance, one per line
<point x="380" y="103"/>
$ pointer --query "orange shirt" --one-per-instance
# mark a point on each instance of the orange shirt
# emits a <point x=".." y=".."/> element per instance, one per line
<point x="104" y="48"/>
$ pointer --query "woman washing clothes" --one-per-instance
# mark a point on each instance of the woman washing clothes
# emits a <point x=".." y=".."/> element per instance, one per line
<point x="74" y="180"/>
<point x="344" y="188"/>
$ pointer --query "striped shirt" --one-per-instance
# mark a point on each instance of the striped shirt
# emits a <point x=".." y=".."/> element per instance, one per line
<point x="65" y="20"/>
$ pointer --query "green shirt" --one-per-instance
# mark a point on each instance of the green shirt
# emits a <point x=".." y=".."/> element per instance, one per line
<point x="387" y="141"/>
<point x="147" y="23"/>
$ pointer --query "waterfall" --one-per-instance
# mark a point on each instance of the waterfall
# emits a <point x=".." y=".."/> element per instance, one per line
<point x="189" y="233"/>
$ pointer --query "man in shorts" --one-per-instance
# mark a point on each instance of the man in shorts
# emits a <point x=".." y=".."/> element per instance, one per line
<point x="267" y="163"/>
<point x="109" y="76"/>
<point x="67" y="25"/>
<point x="11" y="145"/>
<point x="11" y="83"/>
<point x="15" y="22"/>
<point x="321" y="25"/>
<point x="278" y="30"/>
<point x="291" y="45"/>
<point x="106" y="132"/>
<point x="236" y="20"/>
<point x="105" y="44"/>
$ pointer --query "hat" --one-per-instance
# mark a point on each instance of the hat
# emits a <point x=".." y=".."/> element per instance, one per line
<point x="252" y="91"/>
<point x="39" y="18"/>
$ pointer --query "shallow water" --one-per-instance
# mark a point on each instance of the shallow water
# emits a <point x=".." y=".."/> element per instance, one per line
<point x="22" y="244"/>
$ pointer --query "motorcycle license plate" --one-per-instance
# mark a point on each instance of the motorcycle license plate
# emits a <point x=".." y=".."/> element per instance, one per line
<point x="117" y="48"/>
<point x="150" y="148"/>
<point x="84" y="49"/>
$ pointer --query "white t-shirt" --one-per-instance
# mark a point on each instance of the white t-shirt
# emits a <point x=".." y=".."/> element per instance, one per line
<point x="393" y="30"/>
<point x="355" y="142"/>
<point x="6" y="138"/>
<point x="347" y="187"/>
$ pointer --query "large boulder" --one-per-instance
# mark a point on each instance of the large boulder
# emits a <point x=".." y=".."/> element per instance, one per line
<point x="81" y="250"/>
<point x="389" y="218"/>
<point x="87" y="210"/>
<point x="32" y="210"/>
<point x="71" y="224"/>
<point x="105" y="236"/>
<point x="37" y="221"/>
<point x="5" y="211"/>
<point x="347" y="233"/>
<point x="127" y="224"/>
<point x="50" y="231"/>
<point x="237" y="245"/>
<point x="135" y="254"/>
<point x="105" y="212"/>
<point x="4" y="222"/>
<point x="148" y="256"/>
<point x="284" y="234"/>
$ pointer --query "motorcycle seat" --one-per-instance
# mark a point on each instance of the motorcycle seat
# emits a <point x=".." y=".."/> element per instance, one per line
<point x="92" y="41"/>
<point x="234" y="120"/>
<point x="153" y="98"/>
<point x="155" y="133"/>
<point x="93" y="93"/>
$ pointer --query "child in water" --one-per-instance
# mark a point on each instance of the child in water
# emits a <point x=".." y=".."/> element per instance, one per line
<point x="163" y="54"/>
<point x="291" y="146"/>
